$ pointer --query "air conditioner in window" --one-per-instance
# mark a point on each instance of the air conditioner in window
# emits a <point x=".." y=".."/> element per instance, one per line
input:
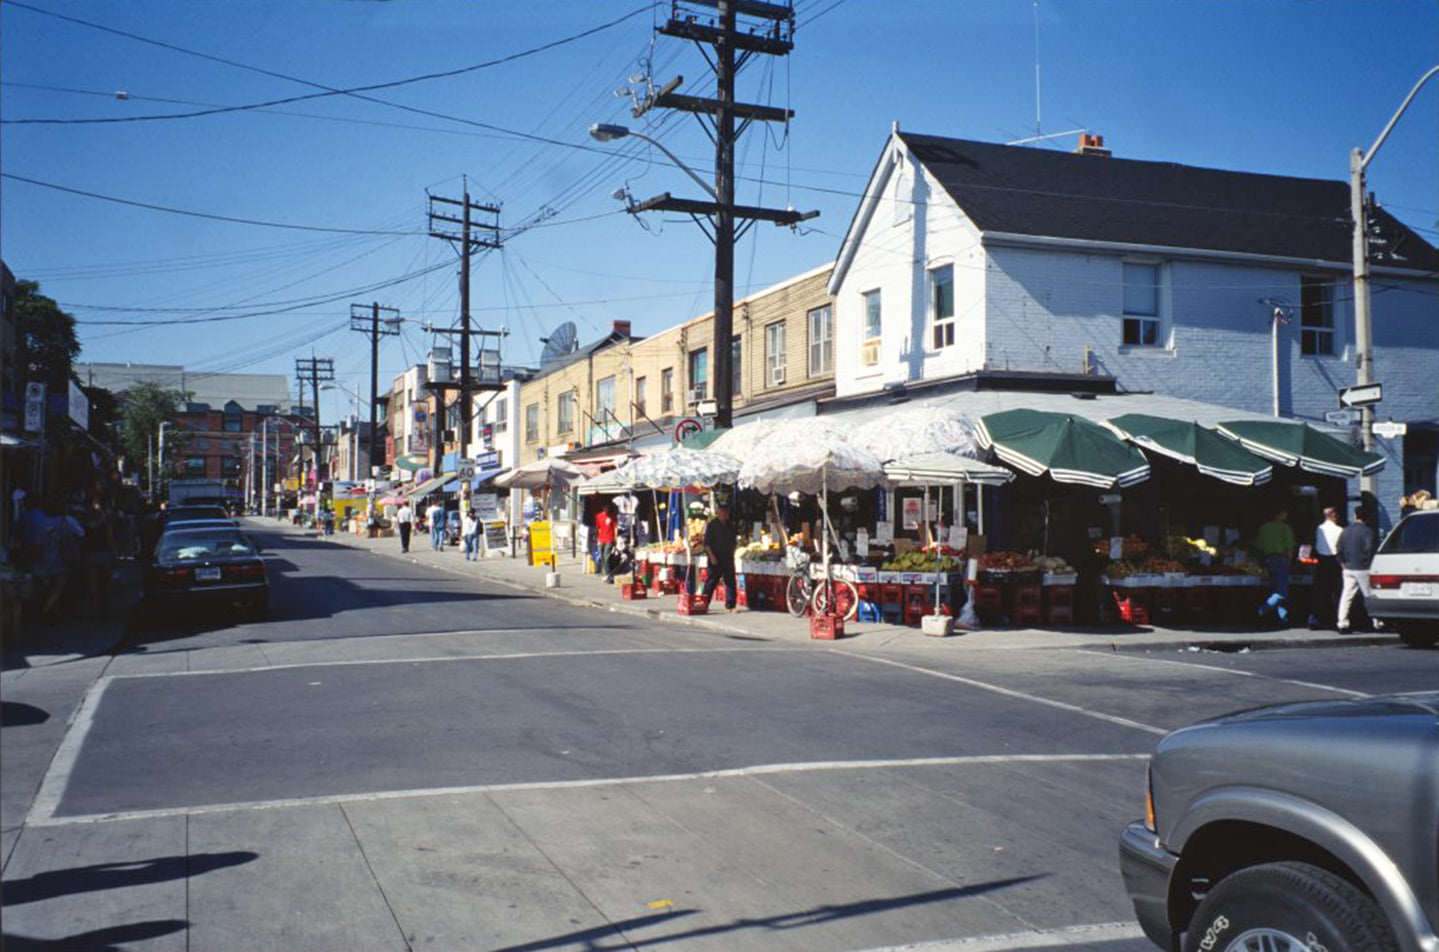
<point x="869" y="353"/>
<point x="776" y="376"/>
<point x="697" y="394"/>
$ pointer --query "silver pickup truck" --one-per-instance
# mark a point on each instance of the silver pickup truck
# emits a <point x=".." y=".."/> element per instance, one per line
<point x="1310" y="827"/>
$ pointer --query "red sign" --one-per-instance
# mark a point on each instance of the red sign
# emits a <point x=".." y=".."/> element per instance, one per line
<point x="689" y="426"/>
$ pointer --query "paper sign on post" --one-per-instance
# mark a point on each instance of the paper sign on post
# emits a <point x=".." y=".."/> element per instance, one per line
<point x="1116" y="548"/>
<point x="913" y="508"/>
<point x="861" y="542"/>
<point x="958" y="537"/>
<point x="883" y="533"/>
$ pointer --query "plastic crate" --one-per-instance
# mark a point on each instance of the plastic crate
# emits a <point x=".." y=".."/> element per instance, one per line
<point x="632" y="591"/>
<point x="826" y="627"/>
<point x="693" y="604"/>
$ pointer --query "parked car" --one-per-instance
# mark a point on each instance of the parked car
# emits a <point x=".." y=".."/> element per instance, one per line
<point x="1404" y="579"/>
<point x="1293" y="828"/>
<point x="216" y="565"/>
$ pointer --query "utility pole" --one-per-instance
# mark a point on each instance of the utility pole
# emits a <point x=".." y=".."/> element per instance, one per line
<point x="374" y="328"/>
<point x="315" y="370"/>
<point x="467" y="242"/>
<point x="768" y="29"/>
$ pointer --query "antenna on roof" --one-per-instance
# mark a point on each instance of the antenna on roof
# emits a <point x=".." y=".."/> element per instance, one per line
<point x="563" y="341"/>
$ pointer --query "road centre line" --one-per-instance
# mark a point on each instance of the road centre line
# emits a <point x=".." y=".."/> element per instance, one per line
<point x="38" y="819"/>
<point x="1037" y="939"/>
<point x="427" y="659"/>
<point x="1007" y="692"/>
<point x="1214" y="667"/>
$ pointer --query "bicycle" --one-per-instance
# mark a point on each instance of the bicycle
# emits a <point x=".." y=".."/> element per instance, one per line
<point x="804" y="592"/>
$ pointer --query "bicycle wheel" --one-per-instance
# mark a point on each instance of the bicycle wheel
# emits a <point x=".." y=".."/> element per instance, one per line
<point x="796" y="595"/>
<point x="846" y="598"/>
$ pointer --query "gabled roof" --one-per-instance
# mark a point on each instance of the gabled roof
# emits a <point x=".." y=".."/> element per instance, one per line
<point x="1046" y="193"/>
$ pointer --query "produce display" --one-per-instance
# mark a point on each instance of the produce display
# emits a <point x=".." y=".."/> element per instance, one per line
<point x="760" y="552"/>
<point x="1007" y="562"/>
<point x="1135" y="548"/>
<point x="919" y="561"/>
<point x="1052" y="563"/>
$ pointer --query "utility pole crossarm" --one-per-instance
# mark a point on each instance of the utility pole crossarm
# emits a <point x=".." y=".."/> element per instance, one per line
<point x="689" y="206"/>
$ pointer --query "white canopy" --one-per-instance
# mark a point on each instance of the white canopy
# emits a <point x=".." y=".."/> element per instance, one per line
<point x="942" y="469"/>
<point x="679" y="467"/>
<point x="918" y="430"/>
<point x="808" y="456"/>
<point x="555" y="472"/>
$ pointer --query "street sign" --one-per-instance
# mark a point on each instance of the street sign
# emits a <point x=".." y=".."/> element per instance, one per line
<point x="1345" y="417"/>
<point x="34" y="407"/>
<point x="1389" y="429"/>
<point x="1362" y="395"/>
<point x="689" y="426"/>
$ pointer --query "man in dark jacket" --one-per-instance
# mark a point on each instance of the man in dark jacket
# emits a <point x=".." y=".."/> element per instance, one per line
<point x="1356" y="551"/>
<point x="720" y="546"/>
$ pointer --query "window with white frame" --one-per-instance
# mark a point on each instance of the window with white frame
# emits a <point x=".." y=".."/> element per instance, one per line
<point x="699" y="376"/>
<point x="1141" y="304"/>
<point x="871" y="328"/>
<point x="667" y="390"/>
<point x="821" y="341"/>
<point x="941" y="305"/>
<point x="565" y="412"/>
<point x="1316" y="317"/>
<point x="642" y="386"/>
<point x="604" y="400"/>
<point x="774" y="354"/>
<point x="502" y="415"/>
<point x="532" y="423"/>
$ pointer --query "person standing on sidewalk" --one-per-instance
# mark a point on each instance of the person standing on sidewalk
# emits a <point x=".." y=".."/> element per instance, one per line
<point x="1326" y="571"/>
<point x="1275" y="542"/>
<point x="404" y="522"/>
<point x="470" y="534"/>
<point x="1356" y="551"/>
<point x="605" y="523"/>
<point x="720" y="546"/>
<point x="435" y="518"/>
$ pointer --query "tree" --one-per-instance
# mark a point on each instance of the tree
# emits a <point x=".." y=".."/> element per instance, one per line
<point x="144" y="407"/>
<point x="47" y="338"/>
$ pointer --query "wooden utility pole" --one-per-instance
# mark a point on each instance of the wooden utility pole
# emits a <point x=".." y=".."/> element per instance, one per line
<point x="374" y="328"/>
<point x="314" y="370"/>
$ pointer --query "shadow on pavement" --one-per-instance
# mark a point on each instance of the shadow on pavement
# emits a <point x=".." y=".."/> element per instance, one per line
<point x="83" y="879"/>
<point x="109" y="939"/>
<point x="16" y="714"/>
<point x="625" y="929"/>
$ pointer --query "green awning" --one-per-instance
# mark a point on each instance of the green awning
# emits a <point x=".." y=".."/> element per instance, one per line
<point x="702" y="439"/>
<point x="410" y="464"/>
<point x="1188" y="442"/>
<point x="1299" y="444"/>
<point x="1070" y="449"/>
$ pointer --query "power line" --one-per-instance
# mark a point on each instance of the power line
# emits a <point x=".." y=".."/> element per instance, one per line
<point x="207" y="215"/>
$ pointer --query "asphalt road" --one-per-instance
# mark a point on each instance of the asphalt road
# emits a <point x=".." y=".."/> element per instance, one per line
<point x="400" y="759"/>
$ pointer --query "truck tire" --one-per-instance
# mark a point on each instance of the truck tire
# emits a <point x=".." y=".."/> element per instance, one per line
<point x="1417" y="635"/>
<point x="1287" y="907"/>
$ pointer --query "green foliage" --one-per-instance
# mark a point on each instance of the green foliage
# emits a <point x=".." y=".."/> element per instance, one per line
<point x="143" y="408"/>
<point x="47" y="337"/>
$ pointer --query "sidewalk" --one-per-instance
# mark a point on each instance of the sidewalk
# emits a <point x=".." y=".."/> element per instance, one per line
<point x="590" y="591"/>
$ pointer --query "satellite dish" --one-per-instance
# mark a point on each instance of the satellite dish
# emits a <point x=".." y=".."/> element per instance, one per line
<point x="563" y="341"/>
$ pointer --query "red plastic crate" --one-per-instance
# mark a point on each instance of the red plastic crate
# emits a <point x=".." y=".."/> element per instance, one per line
<point x="632" y="591"/>
<point x="917" y="603"/>
<point x="1059" y="605"/>
<point x="826" y="627"/>
<point x="693" y="604"/>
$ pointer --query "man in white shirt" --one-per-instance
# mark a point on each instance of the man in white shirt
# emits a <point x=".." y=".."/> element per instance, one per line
<point x="404" y="521"/>
<point x="1326" y="572"/>
<point x="435" y="516"/>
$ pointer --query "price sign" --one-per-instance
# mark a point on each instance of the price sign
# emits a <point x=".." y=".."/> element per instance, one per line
<point x="496" y="539"/>
<point x="541" y="545"/>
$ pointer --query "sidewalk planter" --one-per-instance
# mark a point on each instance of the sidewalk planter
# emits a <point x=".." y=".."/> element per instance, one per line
<point x="826" y="627"/>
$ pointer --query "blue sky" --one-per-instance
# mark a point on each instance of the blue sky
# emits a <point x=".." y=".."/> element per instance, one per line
<point x="1277" y="87"/>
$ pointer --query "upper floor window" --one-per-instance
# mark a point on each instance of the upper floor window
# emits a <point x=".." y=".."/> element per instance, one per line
<point x="532" y="423"/>
<point x="642" y="386"/>
<point x="604" y="399"/>
<point x="1141" y="304"/>
<point x="736" y="363"/>
<point x="941" y="305"/>
<point x="502" y="415"/>
<point x="774" y="354"/>
<point x="194" y="465"/>
<point x="565" y="412"/>
<point x="699" y="374"/>
<point x="667" y="390"/>
<point x="1316" y="317"/>
<point x="821" y="341"/>
<point x="870" y="330"/>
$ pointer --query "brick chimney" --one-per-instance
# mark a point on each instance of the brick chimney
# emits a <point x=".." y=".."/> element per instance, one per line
<point x="1092" y="143"/>
<point x="621" y="328"/>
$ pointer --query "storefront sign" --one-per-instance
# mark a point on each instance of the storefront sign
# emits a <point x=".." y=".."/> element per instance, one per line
<point x="79" y="407"/>
<point x="541" y="546"/>
<point x="486" y="505"/>
<point x="34" y="407"/>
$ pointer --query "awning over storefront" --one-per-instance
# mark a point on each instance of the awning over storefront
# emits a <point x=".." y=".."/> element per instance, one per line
<point x="412" y="463"/>
<point x="431" y="485"/>
<point x="1069" y="449"/>
<point x="936" y="469"/>
<point x="1298" y="444"/>
<point x="1186" y="441"/>
<point x="486" y="476"/>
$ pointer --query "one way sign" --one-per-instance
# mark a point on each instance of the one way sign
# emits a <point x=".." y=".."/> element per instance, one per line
<point x="1362" y="395"/>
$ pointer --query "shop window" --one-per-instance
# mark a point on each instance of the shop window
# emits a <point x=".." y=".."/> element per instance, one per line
<point x="699" y="376"/>
<point x="1316" y="317"/>
<point x="667" y="390"/>
<point x="871" y="330"/>
<point x="1141" y="304"/>
<point x="774" y="354"/>
<point x="565" y="412"/>
<point x="821" y="341"/>
<point x="941" y="305"/>
<point x="532" y="423"/>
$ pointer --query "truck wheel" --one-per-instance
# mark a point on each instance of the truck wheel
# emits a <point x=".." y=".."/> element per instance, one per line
<point x="1418" y="636"/>
<point x="1287" y="907"/>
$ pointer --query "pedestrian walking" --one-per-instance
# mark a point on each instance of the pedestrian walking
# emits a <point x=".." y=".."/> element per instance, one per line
<point x="404" y="522"/>
<point x="1356" y="552"/>
<point x="435" y="517"/>
<point x="470" y="533"/>
<point x="719" y="546"/>
<point x="1324" y="610"/>
<point x="1275" y="542"/>
<point x="605" y="523"/>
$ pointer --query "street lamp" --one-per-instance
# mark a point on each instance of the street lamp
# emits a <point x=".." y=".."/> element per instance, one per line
<point x="608" y="132"/>
<point x="1363" y="327"/>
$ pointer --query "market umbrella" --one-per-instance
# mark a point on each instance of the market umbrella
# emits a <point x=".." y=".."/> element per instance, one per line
<point x="539" y="474"/>
<point x="943" y="469"/>
<point x="740" y="441"/>
<point x="1069" y="448"/>
<point x="1299" y="444"/>
<point x="917" y="430"/>
<point x="678" y="467"/>
<point x="1188" y="442"/>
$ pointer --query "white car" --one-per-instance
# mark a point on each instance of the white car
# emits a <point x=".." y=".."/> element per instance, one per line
<point x="1404" y="579"/>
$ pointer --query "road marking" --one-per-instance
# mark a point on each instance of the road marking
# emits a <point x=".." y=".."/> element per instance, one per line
<point x="1008" y="692"/>
<point x="1235" y="671"/>
<point x="49" y="819"/>
<point x="57" y="777"/>
<point x="1037" y="939"/>
<point x="428" y="659"/>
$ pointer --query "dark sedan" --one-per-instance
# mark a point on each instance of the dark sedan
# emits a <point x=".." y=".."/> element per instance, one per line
<point x="215" y="565"/>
